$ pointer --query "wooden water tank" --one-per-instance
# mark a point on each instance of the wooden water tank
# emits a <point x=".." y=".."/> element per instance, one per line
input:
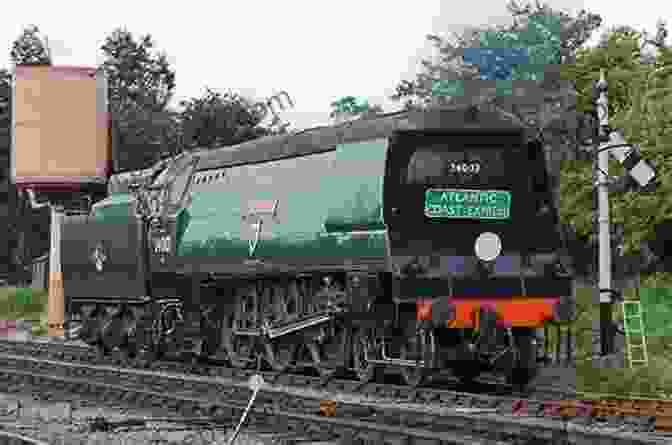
<point x="61" y="128"/>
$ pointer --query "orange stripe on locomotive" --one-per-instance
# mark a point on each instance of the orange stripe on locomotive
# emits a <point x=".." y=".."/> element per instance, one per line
<point x="532" y="312"/>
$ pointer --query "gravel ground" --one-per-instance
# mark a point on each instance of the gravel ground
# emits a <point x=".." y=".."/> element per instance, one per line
<point x="65" y="423"/>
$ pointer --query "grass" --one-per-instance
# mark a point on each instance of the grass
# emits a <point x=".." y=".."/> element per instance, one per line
<point x="651" y="381"/>
<point x="25" y="304"/>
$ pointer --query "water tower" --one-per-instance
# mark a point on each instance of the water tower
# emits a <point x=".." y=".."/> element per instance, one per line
<point x="61" y="150"/>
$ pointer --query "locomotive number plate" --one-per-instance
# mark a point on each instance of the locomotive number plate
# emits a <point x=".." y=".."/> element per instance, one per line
<point x="470" y="204"/>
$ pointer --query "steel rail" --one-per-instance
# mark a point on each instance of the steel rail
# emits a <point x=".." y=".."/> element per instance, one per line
<point x="438" y="426"/>
<point x="8" y="438"/>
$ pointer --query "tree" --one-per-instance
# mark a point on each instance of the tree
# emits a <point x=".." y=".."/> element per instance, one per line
<point x="140" y="85"/>
<point x="5" y="108"/>
<point x="30" y="48"/>
<point x="352" y="107"/>
<point x="640" y="102"/>
<point x="136" y="74"/>
<point x="216" y="120"/>
<point x="547" y="102"/>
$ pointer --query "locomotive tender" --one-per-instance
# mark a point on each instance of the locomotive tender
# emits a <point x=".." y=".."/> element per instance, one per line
<point x="415" y="241"/>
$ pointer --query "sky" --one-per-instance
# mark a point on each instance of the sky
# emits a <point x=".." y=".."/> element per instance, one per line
<point x="318" y="52"/>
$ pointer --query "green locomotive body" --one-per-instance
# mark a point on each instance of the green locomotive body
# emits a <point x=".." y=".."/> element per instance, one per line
<point x="306" y="206"/>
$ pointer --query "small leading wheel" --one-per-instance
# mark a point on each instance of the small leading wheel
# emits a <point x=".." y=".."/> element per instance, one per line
<point x="362" y="350"/>
<point x="415" y="350"/>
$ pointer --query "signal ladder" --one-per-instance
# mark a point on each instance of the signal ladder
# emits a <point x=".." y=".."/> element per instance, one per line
<point x="635" y="337"/>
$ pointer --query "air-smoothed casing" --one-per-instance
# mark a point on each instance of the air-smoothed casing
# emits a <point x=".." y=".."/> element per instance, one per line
<point x="60" y="127"/>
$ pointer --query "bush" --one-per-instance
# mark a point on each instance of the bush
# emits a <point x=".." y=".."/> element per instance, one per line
<point x="22" y="303"/>
<point x="653" y="380"/>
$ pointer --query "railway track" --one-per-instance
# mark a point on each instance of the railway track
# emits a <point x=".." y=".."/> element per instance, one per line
<point x="423" y="413"/>
<point x="483" y="394"/>
<point x="443" y="388"/>
<point x="7" y="438"/>
<point x="203" y="397"/>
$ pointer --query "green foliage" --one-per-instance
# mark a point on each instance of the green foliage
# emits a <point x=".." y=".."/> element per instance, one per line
<point x="5" y="118"/>
<point x="22" y="303"/>
<point x="540" y="38"/>
<point x="140" y="85"/>
<point x="352" y="106"/>
<point x="653" y="380"/>
<point x="216" y="120"/>
<point x="533" y="28"/>
<point x="619" y="56"/>
<point x="136" y="74"/>
<point x="658" y="280"/>
<point x="639" y="104"/>
<point x="656" y="305"/>
<point x="29" y="48"/>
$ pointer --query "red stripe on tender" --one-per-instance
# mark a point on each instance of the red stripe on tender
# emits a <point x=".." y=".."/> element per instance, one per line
<point x="512" y="311"/>
<point x="63" y="71"/>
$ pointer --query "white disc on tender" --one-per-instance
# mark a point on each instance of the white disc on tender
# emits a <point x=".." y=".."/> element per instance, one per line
<point x="488" y="246"/>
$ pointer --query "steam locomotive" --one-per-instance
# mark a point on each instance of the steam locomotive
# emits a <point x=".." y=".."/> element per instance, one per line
<point x="412" y="242"/>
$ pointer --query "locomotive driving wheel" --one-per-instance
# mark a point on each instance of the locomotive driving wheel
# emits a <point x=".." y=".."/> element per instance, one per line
<point x="362" y="351"/>
<point x="327" y="349"/>
<point x="281" y="354"/>
<point x="243" y="353"/>
<point x="92" y="321"/>
<point x="320" y="361"/>
<point x="111" y="330"/>
<point x="143" y="341"/>
<point x="415" y="349"/>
